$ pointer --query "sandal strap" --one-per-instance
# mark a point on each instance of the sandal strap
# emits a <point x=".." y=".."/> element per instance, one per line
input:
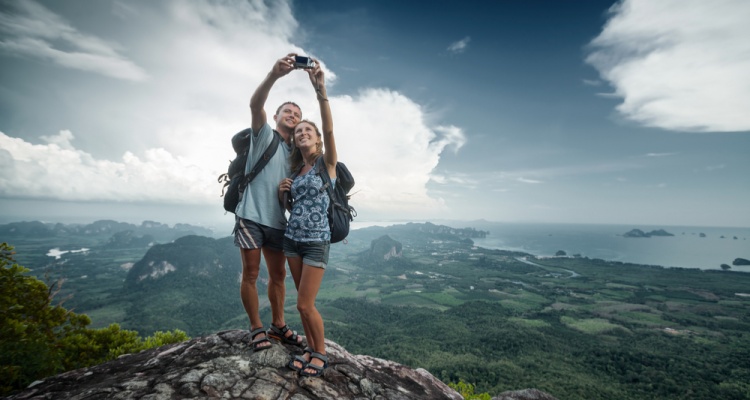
<point x="261" y="340"/>
<point x="315" y="367"/>
<point x="321" y="357"/>
<point x="257" y="331"/>
<point x="283" y="330"/>
<point x="255" y="342"/>
<point x="299" y="359"/>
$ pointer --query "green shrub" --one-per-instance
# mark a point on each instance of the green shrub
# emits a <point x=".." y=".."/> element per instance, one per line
<point x="466" y="390"/>
<point x="39" y="339"/>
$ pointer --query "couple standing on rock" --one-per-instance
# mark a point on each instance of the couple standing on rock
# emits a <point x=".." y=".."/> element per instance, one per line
<point x="261" y="225"/>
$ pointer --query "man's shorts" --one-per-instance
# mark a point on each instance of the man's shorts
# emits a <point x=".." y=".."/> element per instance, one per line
<point x="252" y="235"/>
<point x="314" y="254"/>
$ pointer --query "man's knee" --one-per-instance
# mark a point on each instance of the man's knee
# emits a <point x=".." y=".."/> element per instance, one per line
<point x="276" y="263"/>
<point x="250" y="265"/>
<point x="276" y="276"/>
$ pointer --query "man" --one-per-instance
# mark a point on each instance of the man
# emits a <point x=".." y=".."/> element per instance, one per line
<point x="260" y="219"/>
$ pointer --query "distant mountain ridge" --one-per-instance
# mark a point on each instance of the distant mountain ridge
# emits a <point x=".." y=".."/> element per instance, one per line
<point x="157" y="230"/>
<point x="190" y="284"/>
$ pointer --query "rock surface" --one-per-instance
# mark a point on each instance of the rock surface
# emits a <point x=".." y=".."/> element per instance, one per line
<point x="223" y="366"/>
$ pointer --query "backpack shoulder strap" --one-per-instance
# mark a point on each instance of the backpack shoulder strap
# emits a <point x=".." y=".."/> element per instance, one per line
<point x="261" y="163"/>
<point x="320" y="165"/>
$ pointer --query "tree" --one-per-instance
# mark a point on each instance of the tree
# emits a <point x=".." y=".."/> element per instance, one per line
<point x="466" y="390"/>
<point x="39" y="339"/>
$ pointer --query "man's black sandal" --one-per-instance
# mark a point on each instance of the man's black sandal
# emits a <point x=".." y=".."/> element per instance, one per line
<point x="256" y="342"/>
<point x="280" y="335"/>
<point x="318" y="370"/>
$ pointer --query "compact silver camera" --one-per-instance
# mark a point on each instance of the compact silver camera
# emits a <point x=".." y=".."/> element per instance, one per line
<point x="303" y="62"/>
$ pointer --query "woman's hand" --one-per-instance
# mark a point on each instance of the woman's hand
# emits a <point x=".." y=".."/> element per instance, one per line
<point x="317" y="77"/>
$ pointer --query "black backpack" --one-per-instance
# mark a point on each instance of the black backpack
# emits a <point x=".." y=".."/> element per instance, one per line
<point x="235" y="181"/>
<point x="340" y="213"/>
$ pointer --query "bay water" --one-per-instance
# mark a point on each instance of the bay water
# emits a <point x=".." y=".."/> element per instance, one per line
<point x="690" y="247"/>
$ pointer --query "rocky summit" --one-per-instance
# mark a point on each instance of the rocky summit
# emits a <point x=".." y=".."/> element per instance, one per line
<point x="223" y="366"/>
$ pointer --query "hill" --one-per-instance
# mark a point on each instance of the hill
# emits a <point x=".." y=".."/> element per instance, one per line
<point x="158" y="231"/>
<point x="574" y="327"/>
<point x="191" y="284"/>
<point x="221" y="366"/>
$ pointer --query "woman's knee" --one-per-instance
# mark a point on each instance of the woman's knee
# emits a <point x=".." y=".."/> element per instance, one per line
<point x="305" y="309"/>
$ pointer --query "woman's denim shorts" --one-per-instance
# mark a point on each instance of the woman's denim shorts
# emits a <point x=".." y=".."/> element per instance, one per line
<point x="314" y="254"/>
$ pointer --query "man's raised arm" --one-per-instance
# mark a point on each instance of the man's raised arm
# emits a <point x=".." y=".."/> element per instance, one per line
<point x="282" y="67"/>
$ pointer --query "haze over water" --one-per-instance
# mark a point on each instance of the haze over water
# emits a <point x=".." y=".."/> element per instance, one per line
<point x="686" y="249"/>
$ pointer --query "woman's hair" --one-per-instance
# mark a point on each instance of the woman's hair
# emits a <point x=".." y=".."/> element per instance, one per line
<point x="296" y="156"/>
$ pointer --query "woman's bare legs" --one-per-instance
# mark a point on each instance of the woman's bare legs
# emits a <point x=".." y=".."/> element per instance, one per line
<point x="310" y="280"/>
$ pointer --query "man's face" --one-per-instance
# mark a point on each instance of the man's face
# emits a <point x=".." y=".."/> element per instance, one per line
<point x="288" y="116"/>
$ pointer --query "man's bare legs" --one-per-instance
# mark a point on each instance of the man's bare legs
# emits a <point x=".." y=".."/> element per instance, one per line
<point x="276" y="262"/>
<point x="249" y="290"/>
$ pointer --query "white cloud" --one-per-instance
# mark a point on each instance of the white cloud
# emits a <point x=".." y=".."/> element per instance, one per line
<point x="678" y="64"/>
<point x="660" y="154"/>
<point x="459" y="46"/>
<point x="172" y="134"/>
<point x="31" y="30"/>
<point x="59" y="171"/>
<point x="715" y="167"/>
<point x="526" y="180"/>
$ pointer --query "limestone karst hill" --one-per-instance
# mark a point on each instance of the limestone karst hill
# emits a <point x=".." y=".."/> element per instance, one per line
<point x="222" y="365"/>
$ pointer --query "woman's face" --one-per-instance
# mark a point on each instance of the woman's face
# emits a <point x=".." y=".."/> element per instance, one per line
<point x="305" y="135"/>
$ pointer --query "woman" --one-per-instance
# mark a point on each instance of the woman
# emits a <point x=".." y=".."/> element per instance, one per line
<point x="308" y="235"/>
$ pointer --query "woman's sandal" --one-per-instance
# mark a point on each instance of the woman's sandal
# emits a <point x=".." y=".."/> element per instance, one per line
<point x="280" y="335"/>
<point x="300" y="359"/>
<point x="256" y="342"/>
<point x="318" y="370"/>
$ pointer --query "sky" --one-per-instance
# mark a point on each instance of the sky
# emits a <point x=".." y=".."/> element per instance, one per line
<point x="627" y="112"/>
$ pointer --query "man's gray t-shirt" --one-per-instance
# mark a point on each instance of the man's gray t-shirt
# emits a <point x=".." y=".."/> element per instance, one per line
<point x="260" y="201"/>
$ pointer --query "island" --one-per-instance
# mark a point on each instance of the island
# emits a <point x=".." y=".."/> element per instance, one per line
<point x="637" y="233"/>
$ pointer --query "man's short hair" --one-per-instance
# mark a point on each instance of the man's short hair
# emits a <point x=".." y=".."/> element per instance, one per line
<point x="278" y="110"/>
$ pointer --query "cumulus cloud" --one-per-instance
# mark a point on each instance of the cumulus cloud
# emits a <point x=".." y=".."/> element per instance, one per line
<point x="31" y="30"/>
<point x="459" y="46"/>
<point x="58" y="170"/>
<point x="205" y="59"/>
<point x="678" y="64"/>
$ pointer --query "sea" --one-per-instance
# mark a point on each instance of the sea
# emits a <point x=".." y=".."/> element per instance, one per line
<point x="690" y="247"/>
